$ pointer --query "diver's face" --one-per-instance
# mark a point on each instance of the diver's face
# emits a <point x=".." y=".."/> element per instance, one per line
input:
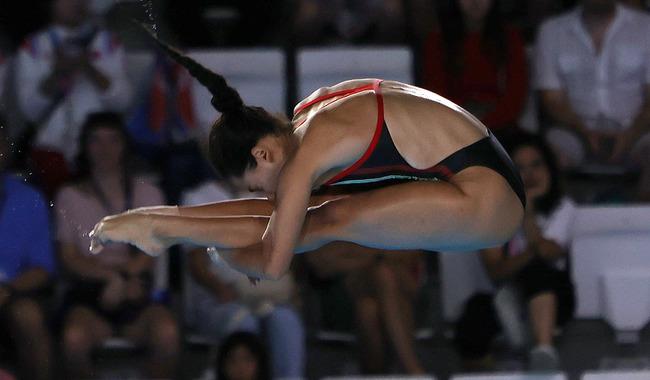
<point x="270" y="157"/>
<point x="261" y="179"/>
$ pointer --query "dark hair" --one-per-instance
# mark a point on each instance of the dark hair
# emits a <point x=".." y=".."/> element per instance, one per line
<point x="453" y="29"/>
<point x="94" y="121"/>
<point x="239" y="127"/>
<point x="253" y="344"/>
<point x="546" y="203"/>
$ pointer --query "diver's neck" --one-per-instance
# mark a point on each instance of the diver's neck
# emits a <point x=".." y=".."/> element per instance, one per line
<point x="291" y="143"/>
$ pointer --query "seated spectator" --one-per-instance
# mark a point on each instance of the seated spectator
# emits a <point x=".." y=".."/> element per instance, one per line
<point x="592" y="69"/>
<point x="383" y="286"/>
<point x="533" y="263"/>
<point x="64" y="72"/>
<point x="222" y="300"/>
<point x="26" y="270"/>
<point x="110" y="294"/>
<point x="243" y="356"/>
<point x="478" y="61"/>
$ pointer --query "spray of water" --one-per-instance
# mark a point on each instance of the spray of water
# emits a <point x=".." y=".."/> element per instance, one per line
<point x="148" y="8"/>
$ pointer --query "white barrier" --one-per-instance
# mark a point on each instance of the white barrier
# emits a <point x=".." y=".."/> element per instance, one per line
<point x="320" y="67"/>
<point x="462" y="274"/>
<point x="257" y="74"/>
<point x="616" y="375"/>
<point x="512" y="376"/>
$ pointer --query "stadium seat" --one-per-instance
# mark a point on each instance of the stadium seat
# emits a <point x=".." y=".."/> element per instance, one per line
<point x="387" y="377"/>
<point x="461" y="274"/>
<point x="609" y="254"/>
<point x="616" y="375"/>
<point x="512" y="376"/>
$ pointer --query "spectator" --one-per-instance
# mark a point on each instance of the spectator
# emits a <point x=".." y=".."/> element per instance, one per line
<point x="224" y="301"/>
<point x="534" y="262"/>
<point x="478" y="61"/>
<point x="242" y="356"/>
<point x="592" y="68"/>
<point x="109" y="294"/>
<point x="26" y="270"/>
<point x="64" y="72"/>
<point x="383" y="286"/>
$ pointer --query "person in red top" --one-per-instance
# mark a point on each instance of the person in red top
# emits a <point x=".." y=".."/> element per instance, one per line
<point x="478" y="62"/>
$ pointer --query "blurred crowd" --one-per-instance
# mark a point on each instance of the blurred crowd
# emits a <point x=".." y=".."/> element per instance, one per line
<point x="79" y="142"/>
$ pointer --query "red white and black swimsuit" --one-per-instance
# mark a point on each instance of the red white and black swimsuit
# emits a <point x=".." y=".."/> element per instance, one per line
<point x="382" y="162"/>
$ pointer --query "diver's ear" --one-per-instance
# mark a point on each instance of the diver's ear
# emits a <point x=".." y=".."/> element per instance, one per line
<point x="261" y="154"/>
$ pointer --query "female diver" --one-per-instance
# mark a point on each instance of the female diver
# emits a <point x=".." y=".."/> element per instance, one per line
<point x="432" y="178"/>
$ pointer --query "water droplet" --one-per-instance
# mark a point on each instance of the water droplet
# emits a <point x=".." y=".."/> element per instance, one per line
<point x="51" y="204"/>
<point x="148" y="9"/>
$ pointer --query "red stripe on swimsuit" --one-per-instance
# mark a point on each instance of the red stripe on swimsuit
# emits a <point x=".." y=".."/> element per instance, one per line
<point x="381" y="161"/>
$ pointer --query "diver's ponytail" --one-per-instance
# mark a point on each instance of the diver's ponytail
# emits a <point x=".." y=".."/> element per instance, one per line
<point x="240" y="127"/>
<point x="225" y="99"/>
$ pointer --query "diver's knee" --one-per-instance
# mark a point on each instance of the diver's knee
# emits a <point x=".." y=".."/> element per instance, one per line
<point x="331" y="218"/>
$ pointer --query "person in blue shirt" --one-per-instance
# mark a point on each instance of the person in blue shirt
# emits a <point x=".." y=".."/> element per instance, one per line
<point x="26" y="269"/>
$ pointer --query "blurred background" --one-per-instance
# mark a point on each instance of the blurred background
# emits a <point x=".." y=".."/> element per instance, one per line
<point x="94" y="120"/>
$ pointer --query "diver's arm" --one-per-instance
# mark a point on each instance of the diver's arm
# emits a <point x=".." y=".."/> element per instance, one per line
<point x="286" y="223"/>
<point x="235" y="207"/>
<point x="326" y="145"/>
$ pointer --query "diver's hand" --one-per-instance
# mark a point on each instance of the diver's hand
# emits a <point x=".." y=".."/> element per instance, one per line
<point x="131" y="228"/>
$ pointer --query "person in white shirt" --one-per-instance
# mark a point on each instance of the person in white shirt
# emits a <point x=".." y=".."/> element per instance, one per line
<point x="592" y="68"/>
<point x="64" y="72"/>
